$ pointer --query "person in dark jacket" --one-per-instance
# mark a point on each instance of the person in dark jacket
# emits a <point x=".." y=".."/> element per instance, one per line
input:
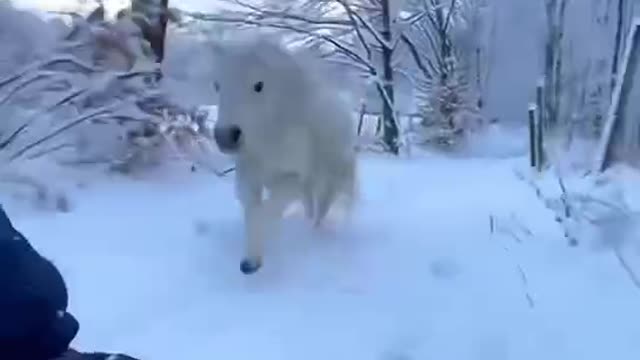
<point x="34" y="322"/>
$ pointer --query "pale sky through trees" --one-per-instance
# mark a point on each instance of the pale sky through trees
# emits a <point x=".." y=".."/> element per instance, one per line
<point x="111" y="5"/>
<point x="115" y="5"/>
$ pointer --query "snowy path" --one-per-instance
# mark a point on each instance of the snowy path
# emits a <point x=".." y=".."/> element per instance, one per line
<point x="416" y="275"/>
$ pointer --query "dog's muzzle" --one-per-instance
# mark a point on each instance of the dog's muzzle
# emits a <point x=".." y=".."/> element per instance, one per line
<point x="228" y="138"/>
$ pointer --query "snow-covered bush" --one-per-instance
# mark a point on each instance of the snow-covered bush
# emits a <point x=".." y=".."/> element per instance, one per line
<point x="24" y="36"/>
<point x="100" y="99"/>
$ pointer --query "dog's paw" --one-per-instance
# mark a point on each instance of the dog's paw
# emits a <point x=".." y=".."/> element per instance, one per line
<point x="249" y="266"/>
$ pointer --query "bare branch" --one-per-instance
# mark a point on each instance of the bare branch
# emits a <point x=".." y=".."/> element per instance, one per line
<point x="11" y="138"/>
<point x="416" y="57"/>
<point x="354" y="22"/>
<point x="352" y="14"/>
<point x="451" y="10"/>
<point x="342" y="47"/>
<point x="266" y="13"/>
<point x="93" y="114"/>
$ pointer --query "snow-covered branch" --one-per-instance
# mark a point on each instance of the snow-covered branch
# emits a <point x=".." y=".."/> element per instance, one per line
<point x="357" y="18"/>
<point x="82" y="78"/>
<point x="342" y="47"/>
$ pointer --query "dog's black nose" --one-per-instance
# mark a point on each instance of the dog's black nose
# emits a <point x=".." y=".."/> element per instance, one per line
<point x="227" y="137"/>
<point x="234" y="134"/>
<point x="250" y="266"/>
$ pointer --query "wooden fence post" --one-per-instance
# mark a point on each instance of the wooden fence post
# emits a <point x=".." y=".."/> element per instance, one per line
<point x="539" y="141"/>
<point x="532" y="136"/>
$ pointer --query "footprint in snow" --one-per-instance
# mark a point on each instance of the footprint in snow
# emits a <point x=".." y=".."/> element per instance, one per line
<point x="444" y="268"/>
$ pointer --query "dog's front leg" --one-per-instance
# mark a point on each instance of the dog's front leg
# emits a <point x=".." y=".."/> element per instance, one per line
<point x="262" y="221"/>
<point x="249" y="190"/>
<point x="254" y="231"/>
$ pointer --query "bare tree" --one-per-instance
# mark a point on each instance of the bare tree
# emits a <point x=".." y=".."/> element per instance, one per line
<point x="617" y="42"/>
<point x="388" y="114"/>
<point x="453" y="48"/>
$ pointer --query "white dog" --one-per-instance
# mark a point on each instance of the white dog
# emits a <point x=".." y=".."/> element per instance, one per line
<point x="291" y="135"/>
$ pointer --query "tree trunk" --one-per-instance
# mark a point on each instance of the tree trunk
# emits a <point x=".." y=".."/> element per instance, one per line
<point x="155" y="28"/>
<point x="613" y="127"/>
<point x="480" y="101"/>
<point x="553" y="61"/>
<point x="558" y="90"/>
<point x="159" y="48"/>
<point x="617" y="44"/>
<point x="549" y="61"/>
<point x="390" y="135"/>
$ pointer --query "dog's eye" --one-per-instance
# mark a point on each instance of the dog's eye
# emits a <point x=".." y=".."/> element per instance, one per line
<point x="216" y="86"/>
<point x="258" y="86"/>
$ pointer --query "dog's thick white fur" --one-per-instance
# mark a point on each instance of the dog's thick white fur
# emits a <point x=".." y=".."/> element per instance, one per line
<point x="297" y="137"/>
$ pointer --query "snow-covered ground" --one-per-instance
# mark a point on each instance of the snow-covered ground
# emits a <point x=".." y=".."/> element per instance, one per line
<point x="417" y="273"/>
<point x="443" y="258"/>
